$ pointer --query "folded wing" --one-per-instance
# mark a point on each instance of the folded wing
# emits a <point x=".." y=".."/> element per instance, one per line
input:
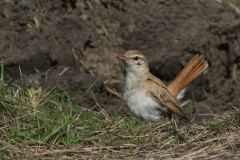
<point x="159" y="92"/>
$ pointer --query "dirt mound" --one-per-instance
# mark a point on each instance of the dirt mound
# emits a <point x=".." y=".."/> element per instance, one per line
<point x="87" y="35"/>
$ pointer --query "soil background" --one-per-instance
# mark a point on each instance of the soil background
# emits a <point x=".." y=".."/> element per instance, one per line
<point x="68" y="43"/>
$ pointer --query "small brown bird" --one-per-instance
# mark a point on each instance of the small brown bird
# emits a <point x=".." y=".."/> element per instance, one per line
<point x="147" y="96"/>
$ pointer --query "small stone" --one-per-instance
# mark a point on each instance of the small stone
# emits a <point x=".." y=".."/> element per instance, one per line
<point x="84" y="17"/>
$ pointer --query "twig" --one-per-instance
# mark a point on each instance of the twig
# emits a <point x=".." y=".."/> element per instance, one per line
<point x="52" y="68"/>
<point x="64" y="70"/>
<point x="6" y="109"/>
<point x="100" y="108"/>
<point x="36" y="69"/>
<point x="62" y="151"/>
<point x="102" y="24"/>
<point x="86" y="67"/>
<point x="167" y="143"/>
<point x="195" y="103"/>
<point x="22" y="84"/>
<point x="110" y="90"/>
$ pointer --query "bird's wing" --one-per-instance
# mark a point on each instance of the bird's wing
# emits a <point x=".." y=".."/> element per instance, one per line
<point x="159" y="92"/>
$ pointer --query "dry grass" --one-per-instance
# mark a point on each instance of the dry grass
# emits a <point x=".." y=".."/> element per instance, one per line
<point x="47" y="125"/>
<point x="120" y="137"/>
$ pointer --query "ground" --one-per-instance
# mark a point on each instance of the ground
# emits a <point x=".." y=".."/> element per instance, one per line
<point x="68" y="43"/>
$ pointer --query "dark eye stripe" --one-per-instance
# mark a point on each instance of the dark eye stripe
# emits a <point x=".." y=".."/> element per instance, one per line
<point x="140" y="58"/>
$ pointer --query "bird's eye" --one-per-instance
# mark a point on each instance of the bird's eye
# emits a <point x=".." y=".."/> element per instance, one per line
<point x="136" y="58"/>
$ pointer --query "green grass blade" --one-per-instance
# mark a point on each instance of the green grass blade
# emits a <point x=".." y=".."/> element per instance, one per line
<point x="88" y="89"/>
<point x="13" y="81"/>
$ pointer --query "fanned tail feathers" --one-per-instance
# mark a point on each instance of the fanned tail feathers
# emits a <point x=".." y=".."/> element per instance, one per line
<point x="195" y="67"/>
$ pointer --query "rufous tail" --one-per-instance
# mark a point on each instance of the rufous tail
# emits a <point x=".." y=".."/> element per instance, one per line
<point x="195" y="67"/>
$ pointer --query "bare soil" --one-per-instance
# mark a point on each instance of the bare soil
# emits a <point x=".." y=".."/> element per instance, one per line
<point x="72" y="42"/>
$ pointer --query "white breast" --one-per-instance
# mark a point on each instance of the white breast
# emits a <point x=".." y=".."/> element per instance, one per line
<point x="139" y="102"/>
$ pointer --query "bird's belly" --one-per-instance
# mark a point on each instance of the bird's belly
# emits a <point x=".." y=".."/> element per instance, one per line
<point x="143" y="106"/>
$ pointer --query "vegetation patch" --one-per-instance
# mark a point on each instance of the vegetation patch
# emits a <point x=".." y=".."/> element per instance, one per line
<point x="37" y="124"/>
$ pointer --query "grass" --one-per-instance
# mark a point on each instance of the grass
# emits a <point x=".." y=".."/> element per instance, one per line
<point x="233" y="6"/>
<point x="230" y="4"/>
<point x="37" y="124"/>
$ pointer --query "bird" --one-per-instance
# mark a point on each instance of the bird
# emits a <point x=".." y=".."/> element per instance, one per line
<point x="147" y="96"/>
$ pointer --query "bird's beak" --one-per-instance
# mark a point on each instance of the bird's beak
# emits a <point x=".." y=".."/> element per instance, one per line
<point x="122" y="57"/>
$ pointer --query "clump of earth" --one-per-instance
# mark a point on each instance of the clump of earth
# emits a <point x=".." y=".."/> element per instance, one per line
<point x="68" y="43"/>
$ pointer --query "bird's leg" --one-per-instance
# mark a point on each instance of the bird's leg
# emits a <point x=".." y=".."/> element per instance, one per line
<point x="174" y="124"/>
